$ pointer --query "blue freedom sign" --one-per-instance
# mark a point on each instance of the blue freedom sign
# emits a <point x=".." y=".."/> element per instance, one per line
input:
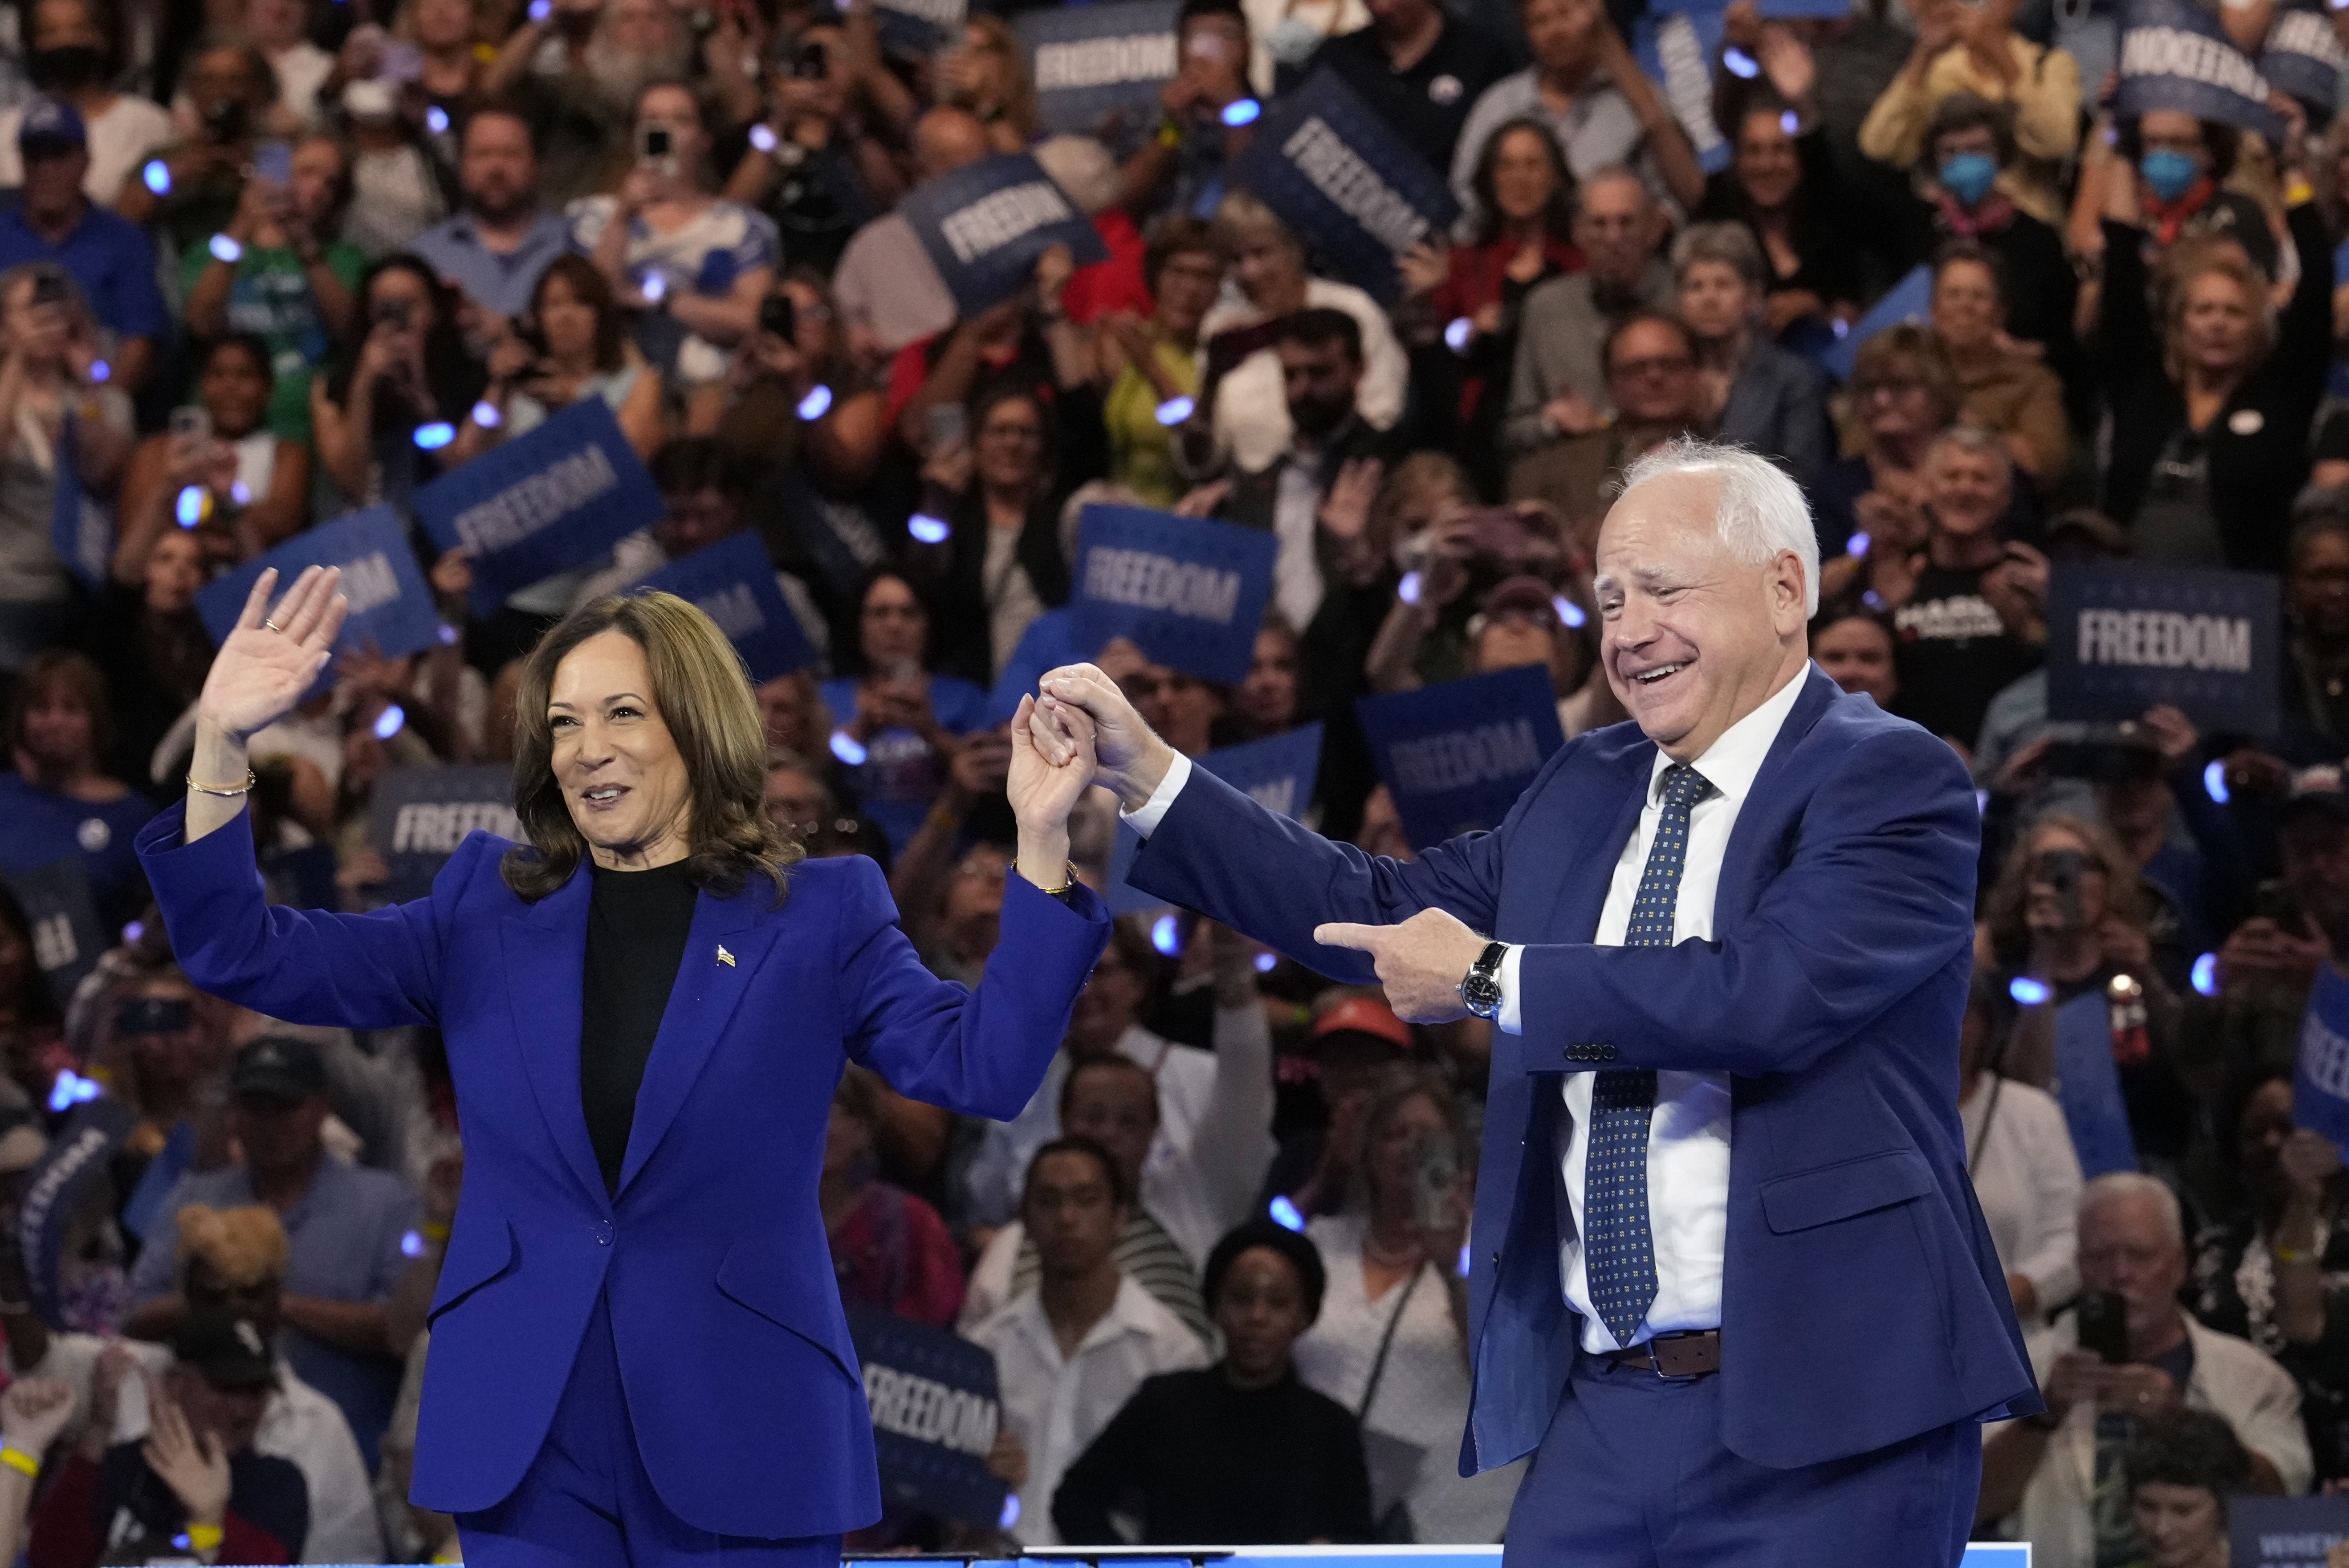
<point x="1277" y="772"/>
<point x="541" y="503"/>
<point x="2088" y="1086"/>
<point x="82" y="531"/>
<point x="2303" y="57"/>
<point x="1048" y="642"/>
<point x="1676" y="45"/>
<point x="1910" y="299"/>
<point x="71" y="1176"/>
<point x="2320" y="1072"/>
<point x="2285" y="1532"/>
<point x="936" y="1410"/>
<point x="420" y="814"/>
<point x="733" y="582"/>
<point x="62" y="918"/>
<point x="2121" y="640"/>
<point x="392" y="604"/>
<point x="985" y="225"/>
<point x="916" y="29"/>
<point x="1098" y="68"/>
<point x="1188" y="591"/>
<point x="2176" y="56"/>
<point x="1456" y="755"/>
<point x="1345" y="180"/>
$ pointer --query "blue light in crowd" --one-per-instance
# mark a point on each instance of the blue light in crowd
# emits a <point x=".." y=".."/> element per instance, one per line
<point x="388" y="723"/>
<point x="132" y="932"/>
<point x="241" y="493"/>
<point x="817" y="403"/>
<point x="1841" y="328"/>
<point x="762" y="137"/>
<point x="1790" y="122"/>
<point x="1465" y="1264"/>
<point x="1175" y="410"/>
<point x="2205" y="974"/>
<point x="72" y="1089"/>
<point x="1166" y="935"/>
<point x="436" y="435"/>
<point x="1458" y="333"/>
<point x="189" y="507"/>
<point x="540" y="10"/>
<point x="157" y="175"/>
<point x="2027" y="990"/>
<point x="844" y="747"/>
<point x="1982" y="802"/>
<point x="1285" y="1215"/>
<point x="224" y="249"/>
<point x="184" y="1542"/>
<point x="929" y="529"/>
<point x="412" y="1244"/>
<point x="1242" y="111"/>
<point x="436" y="120"/>
<point x="653" y="287"/>
<point x="2214" y="780"/>
<point x="1872" y="600"/>
<point x="1010" y="1511"/>
<point x="1857" y="546"/>
<point x="1568" y="612"/>
<point x="1407" y="590"/>
<point x="100" y="372"/>
<point x="486" y="415"/>
<point x="448" y="635"/>
<point x="1265" y="962"/>
<point x="1740" y="64"/>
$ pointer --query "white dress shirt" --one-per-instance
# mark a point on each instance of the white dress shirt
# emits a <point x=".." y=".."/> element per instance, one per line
<point x="1688" y="1140"/>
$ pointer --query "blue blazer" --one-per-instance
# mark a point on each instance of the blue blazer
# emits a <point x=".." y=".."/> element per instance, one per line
<point x="746" y="1394"/>
<point x="1862" y="1302"/>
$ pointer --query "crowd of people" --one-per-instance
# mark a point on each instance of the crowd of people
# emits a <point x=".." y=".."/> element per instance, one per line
<point x="270" y="262"/>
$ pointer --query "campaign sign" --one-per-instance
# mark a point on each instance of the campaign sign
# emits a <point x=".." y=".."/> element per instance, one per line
<point x="1676" y="46"/>
<point x="1457" y="755"/>
<point x="1189" y="592"/>
<point x="1345" y="180"/>
<point x="2303" y="57"/>
<point x="985" y="225"/>
<point x="419" y="816"/>
<point x="916" y="29"/>
<point x="733" y="582"/>
<point x="2320" y="1071"/>
<point x="2088" y="1086"/>
<point x="80" y="530"/>
<point x="1098" y="68"/>
<point x="2285" y="1532"/>
<point x="71" y="1174"/>
<point x="553" y="499"/>
<point x="1048" y="642"/>
<point x="1910" y="299"/>
<point x="390" y="603"/>
<point x="935" y="1415"/>
<point x="62" y="919"/>
<point x="2121" y="640"/>
<point x="2176" y="56"/>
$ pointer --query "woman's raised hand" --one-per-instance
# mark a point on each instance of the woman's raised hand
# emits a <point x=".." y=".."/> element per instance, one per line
<point x="1043" y="790"/>
<point x="271" y="658"/>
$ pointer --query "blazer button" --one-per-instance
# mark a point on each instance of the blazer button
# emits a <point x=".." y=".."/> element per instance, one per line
<point x="603" y="1232"/>
<point x="1604" y="1053"/>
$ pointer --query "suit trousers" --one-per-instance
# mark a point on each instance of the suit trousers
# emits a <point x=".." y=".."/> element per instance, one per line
<point x="587" y="1499"/>
<point x="1633" y="1474"/>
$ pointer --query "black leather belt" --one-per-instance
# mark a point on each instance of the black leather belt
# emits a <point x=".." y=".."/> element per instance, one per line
<point x="1681" y="1357"/>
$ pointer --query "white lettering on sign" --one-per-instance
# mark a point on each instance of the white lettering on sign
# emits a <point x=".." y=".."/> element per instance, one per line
<point x="34" y="1212"/>
<point x="2165" y="639"/>
<point x="2169" y="52"/>
<point x="1277" y="795"/>
<point x="928" y="1411"/>
<point x="1338" y="173"/>
<point x="522" y="509"/>
<point x="1688" y="80"/>
<point x="939" y="13"/>
<point x="1154" y="582"/>
<point x="2305" y="33"/>
<point x="1099" y="62"/>
<point x="736" y="611"/>
<point x="1958" y="616"/>
<point x="2305" y="1546"/>
<point x="369" y="582"/>
<point x="1001" y="217"/>
<point x="437" y="828"/>
<point x="2324" y="1055"/>
<point x="1460" y="758"/>
<point x="53" y="941"/>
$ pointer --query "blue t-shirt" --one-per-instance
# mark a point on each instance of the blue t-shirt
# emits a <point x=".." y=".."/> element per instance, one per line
<point x="37" y="828"/>
<point x="902" y="774"/>
<point x="111" y="257"/>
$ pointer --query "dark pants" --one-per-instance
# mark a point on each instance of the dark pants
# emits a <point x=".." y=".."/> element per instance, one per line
<point x="1632" y="1474"/>
<point x="587" y="1500"/>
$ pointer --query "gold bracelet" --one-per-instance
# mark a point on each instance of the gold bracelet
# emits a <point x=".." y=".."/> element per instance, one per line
<point x="244" y="789"/>
<point x="1055" y="892"/>
<point x="206" y="1537"/>
<point x="18" y="1459"/>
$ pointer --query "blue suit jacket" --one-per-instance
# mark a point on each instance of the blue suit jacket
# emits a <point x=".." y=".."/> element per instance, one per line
<point x="1862" y="1302"/>
<point x="746" y="1394"/>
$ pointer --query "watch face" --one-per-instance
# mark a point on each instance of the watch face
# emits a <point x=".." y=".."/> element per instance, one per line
<point x="1481" y="993"/>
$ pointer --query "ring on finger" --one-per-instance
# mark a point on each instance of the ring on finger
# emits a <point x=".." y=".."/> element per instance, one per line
<point x="271" y="626"/>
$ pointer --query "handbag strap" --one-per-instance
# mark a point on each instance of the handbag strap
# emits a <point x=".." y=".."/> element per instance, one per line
<point x="1386" y="1343"/>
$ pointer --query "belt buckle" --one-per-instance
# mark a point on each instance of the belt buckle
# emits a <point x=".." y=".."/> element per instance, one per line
<point x="1656" y="1364"/>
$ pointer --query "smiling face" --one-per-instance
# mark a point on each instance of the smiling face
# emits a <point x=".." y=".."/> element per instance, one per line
<point x="2215" y="324"/>
<point x="235" y="389"/>
<point x="623" y="778"/>
<point x="1523" y="179"/>
<point x="1766" y="165"/>
<point x="1692" y="638"/>
<point x="1966" y="311"/>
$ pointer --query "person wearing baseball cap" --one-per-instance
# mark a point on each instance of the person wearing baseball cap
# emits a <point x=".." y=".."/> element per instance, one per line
<point x="109" y="257"/>
<point x="1354" y="1036"/>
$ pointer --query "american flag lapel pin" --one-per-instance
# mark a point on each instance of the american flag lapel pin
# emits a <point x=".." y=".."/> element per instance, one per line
<point x="724" y="956"/>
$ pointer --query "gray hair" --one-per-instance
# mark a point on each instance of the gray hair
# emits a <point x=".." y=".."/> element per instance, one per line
<point x="1607" y="172"/>
<point x="1761" y="513"/>
<point x="1731" y="244"/>
<point x="2119" y="1185"/>
<point x="1973" y="439"/>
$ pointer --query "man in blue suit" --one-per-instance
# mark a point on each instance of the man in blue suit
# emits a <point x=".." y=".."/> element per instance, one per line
<point x="1729" y="1277"/>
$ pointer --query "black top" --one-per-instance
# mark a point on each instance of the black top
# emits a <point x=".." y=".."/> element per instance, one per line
<point x="1199" y="1459"/>
<point x="1953" y="654"/>
<point x="1429" y="103"/>
<point x="637" y="926"/>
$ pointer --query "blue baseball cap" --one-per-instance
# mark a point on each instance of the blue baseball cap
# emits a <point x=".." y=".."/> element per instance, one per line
<point x="51" y="124"/>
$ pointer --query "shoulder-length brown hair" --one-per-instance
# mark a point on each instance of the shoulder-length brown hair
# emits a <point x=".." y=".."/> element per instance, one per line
<point x="2010" y="937"/>
<point x="703" y="694"/>
<point x="588" y="286"/>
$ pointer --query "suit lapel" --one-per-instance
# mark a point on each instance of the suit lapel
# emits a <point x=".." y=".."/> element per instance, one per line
<point x="1745" y="865"/>
<point x="1588" y="863"/>
<point x="707" y="992"/>
<point x="544" y="949"/>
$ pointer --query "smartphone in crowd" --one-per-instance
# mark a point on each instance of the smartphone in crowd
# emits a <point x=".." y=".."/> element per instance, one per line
<point x="811" y="62"/>
<point x="1436" y="1182"/>
<point x="273" y="161"/>
<point x="658" y="144"/>
<point x="2104" y="1326"/>
<point x="778" y="316"/>
<point x="948" y="422"/>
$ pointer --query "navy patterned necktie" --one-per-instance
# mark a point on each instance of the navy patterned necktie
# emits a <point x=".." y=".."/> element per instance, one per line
<point x="1619" y="1254"/>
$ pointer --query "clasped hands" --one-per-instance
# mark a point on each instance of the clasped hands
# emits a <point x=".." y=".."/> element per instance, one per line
<point x="1420" y="961"/>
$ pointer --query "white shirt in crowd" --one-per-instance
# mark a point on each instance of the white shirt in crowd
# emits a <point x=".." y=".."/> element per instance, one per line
<point x="1251" y="413"/>
<point x="120" y="142"/>
<point x="1056" y="1406"/>
<point x="2027" y="1179"/>
<point x="299" y="1424"/>
<point x="2232" y="1379"/>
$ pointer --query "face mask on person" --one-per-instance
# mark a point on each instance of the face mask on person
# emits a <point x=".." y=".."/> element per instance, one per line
<point x="72" y="65"/>
<point x="2171" y="174"/>
<point x="1967" y="177"/>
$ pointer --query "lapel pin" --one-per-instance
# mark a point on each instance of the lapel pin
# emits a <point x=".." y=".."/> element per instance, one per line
<point x="724" y="956"/>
